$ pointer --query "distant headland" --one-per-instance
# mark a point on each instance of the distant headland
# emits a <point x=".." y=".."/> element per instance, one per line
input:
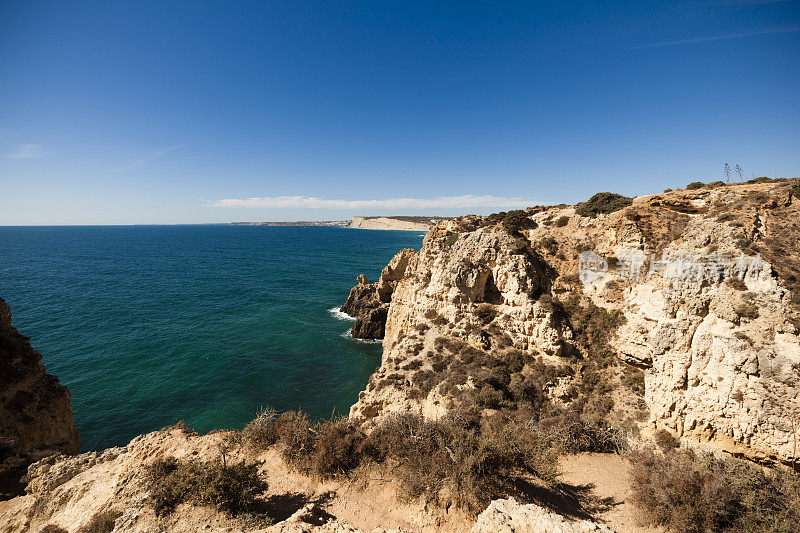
<point x="401" y="223"/>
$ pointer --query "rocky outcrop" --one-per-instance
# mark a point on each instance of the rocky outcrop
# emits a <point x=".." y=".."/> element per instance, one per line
<point x="68" y="492"/>
<point x="706" y="281"/>
<point x="369" y="302"/>
<point x="509" y="516"/>
<point x="35" y="412"/>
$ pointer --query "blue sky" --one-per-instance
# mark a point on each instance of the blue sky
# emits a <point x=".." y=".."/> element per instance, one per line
<point x="177" y="112"/>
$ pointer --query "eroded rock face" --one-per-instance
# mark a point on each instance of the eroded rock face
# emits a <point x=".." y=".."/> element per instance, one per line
<point x="706" y="280"/>
<point x="480" y="285"/>
<point x="369" y="302"/>
<point x="35" y="412"/>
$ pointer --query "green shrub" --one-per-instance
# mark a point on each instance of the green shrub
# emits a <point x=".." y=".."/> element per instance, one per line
<point x="489" y="397"/>
<point x="686" y="492"/>
<point x="695" y="185"/>
<point x="562" y="221"/>
<point x="603" y="203"/>
<point x="516" y="220"/>
<point x="450" y="240"/>
<point x="715" y="184"/>
<point x="229" y="488"/>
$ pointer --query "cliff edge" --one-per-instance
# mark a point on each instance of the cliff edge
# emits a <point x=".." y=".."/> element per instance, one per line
<point x="35" y="412"/>
<point x="671" y="312"/>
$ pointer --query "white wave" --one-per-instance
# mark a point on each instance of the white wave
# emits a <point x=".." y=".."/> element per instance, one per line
<point x="348" y="335"/>
<point x="336" y="312"/>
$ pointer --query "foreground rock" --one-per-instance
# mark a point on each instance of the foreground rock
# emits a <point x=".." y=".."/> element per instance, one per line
<point x="35" y="412"/>
<point x="508" y="516"/>
<point x="69" y="492"/>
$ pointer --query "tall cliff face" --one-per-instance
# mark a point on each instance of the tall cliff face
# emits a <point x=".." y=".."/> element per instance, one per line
<point x="35" y="411"/>
<point x="697" y="289"/>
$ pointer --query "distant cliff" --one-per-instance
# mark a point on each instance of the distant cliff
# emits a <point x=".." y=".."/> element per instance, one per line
<point x="395" y="223"/>
<point x="35" y="412"/>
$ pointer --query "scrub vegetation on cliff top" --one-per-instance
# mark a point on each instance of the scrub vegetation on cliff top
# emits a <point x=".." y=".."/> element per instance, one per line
<point x="603" y="203"/>
<point x="229" y="488"/>
<point x="691" y="492"/>
<point x="451" y="461"/>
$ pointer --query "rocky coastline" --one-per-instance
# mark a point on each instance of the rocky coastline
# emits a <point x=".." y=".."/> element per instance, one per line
<point x="35" y="411"/>
<point x="605" y="327"/>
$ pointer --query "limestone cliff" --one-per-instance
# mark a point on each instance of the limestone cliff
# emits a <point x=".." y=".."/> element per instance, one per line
<point x="698" y="287"/>
<point x="394" y="223"/>
<point x="35" y="411"/>
<point x="368" y="303"/>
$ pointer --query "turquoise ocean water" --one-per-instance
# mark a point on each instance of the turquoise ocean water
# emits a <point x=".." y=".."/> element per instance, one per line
<point x="148" y="325"/>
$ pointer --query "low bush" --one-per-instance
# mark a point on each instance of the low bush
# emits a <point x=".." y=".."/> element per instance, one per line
<point x="512" y="221"/>
<point x="633" y="379"/>
<point x="549" y="244"/>
<point x="260" y="434"/>
<point x="695" y="185"/>
<point x="229" y="488"/>
<point x="764" y="179"/>
<point x="593" y="325"/>
<point x="603" y="203"/>
<point x="562" y="221"/>
<point x="102" y="522"/>
<point x="687" y="492"/>
<point x="336" y="447"/>
<point x="52" y="528"/>
<point x="746" y="310"/>
<point x="450" y="240"/>
<point x="665" y="440"/>
<point x="737" y="284"/>
<point x="456" y="461"/>
<point x="486" y="313"/>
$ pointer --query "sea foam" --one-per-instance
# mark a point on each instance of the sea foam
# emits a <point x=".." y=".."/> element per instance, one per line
<point x="348" y="335"/>
<point x="336" y="312"/>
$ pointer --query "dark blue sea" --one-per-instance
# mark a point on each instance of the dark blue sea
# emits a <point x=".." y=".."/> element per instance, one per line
<point x="149" y="325"/>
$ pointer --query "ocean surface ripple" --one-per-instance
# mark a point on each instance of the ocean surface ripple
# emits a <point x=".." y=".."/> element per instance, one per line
<point x="148" y="325"/>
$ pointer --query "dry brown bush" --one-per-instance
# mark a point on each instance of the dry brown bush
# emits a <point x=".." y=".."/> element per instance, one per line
<point x="688" y="492"/>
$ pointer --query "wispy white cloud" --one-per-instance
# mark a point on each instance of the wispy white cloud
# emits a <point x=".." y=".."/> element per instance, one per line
<point x="27" y="151"/>
<point x="310" y="202"/>
<point x="717" y="38"/>
<point x="139" y="162"/>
